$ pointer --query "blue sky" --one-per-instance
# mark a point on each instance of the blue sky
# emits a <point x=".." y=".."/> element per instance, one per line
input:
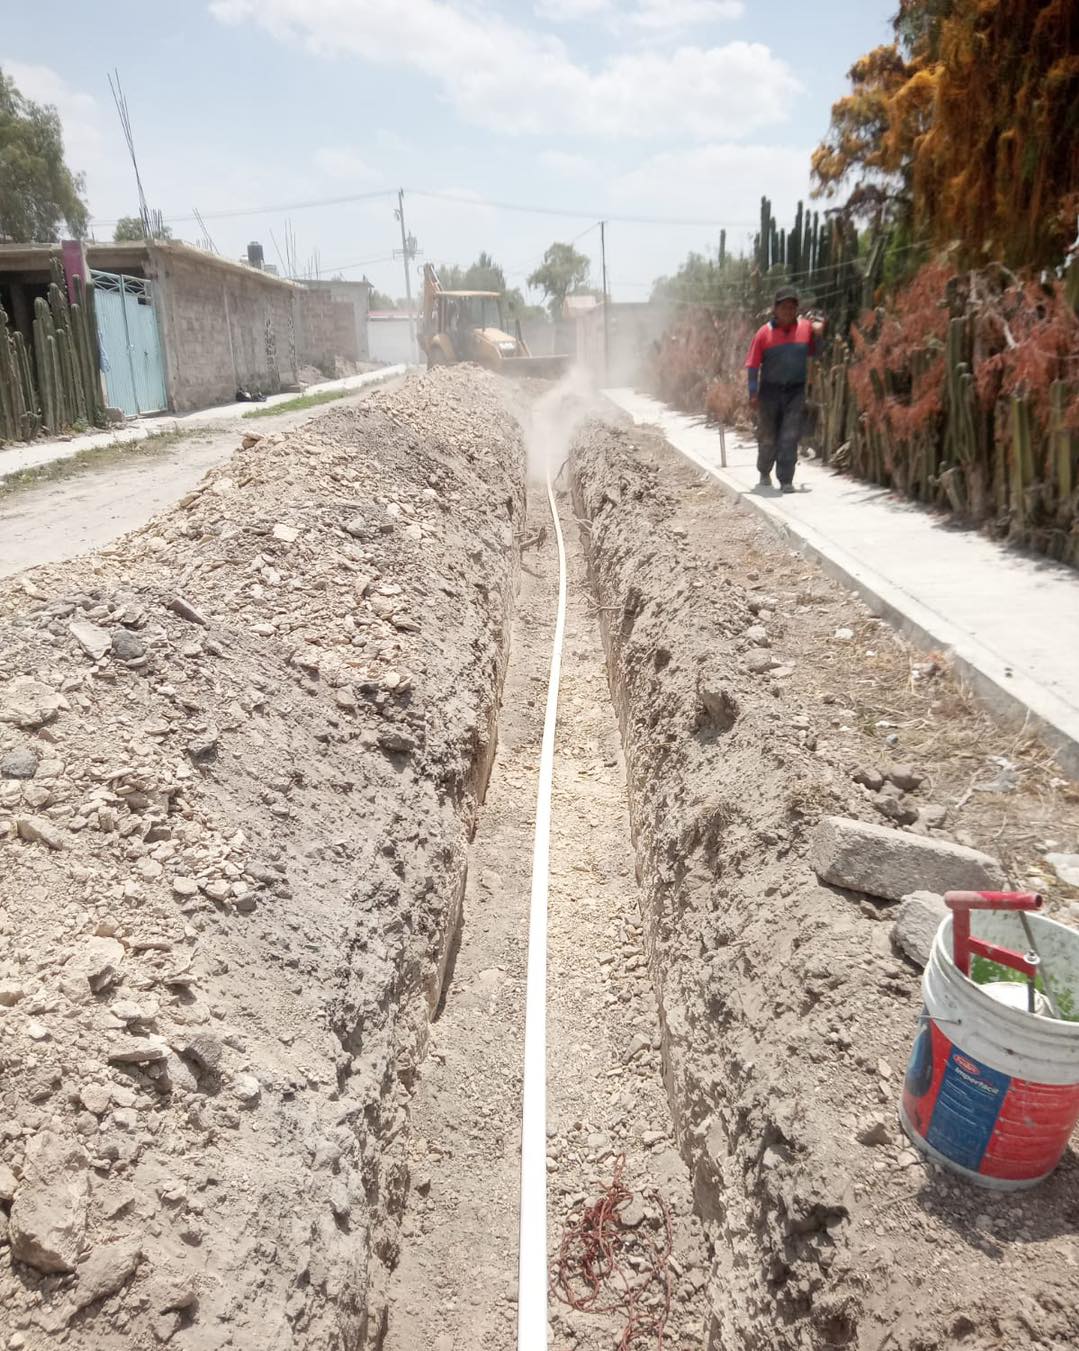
<point x="673" y="108"/>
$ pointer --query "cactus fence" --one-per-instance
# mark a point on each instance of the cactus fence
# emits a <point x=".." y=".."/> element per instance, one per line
<point x="54" y="384"/>
<point x="976" y="419"/>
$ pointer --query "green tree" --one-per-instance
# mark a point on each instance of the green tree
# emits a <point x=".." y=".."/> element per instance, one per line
<point x="130" y="228"/>
<point x="378" y="300"/>
<point x="562" y="272"/>
<point x="38" y="192"/>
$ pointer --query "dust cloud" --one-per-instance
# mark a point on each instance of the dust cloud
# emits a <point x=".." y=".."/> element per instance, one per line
<point x="553" y="420"/>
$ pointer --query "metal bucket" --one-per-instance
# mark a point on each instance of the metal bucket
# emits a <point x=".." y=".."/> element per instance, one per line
<point x="992" y="1091"/>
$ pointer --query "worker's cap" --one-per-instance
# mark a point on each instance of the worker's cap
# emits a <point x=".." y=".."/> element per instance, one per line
<point x="786" y="293"/>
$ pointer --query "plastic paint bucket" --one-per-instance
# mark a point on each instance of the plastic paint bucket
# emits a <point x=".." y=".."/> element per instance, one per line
<point x="992" y="1091"/>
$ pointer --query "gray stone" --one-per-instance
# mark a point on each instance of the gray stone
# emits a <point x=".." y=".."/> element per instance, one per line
<point x="895" y="809"/>
<point x="137" y="1051"/>
<point x="718" y="709"/>
<point x="875" y="1131"/>
<point x="19" y="764"/>
<point x="905" y="777"/>
<point x="203" y="1048"/>
<point x="872" y="779"/>
<point x="94" y="640"/>
<point x="106" y="1271"/>
<point x="758" y="663"/>
<point x="397" y="743"/>
<point x="247" y="1088"/>
<point x="758" y="635"/>
<point x="356" y="527"/>
<point x="127" y="645"/>
<point x="29" y="704"/>
<point x="8" y="1183"/>
<point x="1066" y="867"/>
<point x="36" y="830"/>
<point x="48" y="1214"/>
<point x="98" y="959"/>
<point x="932" y="815"/>
<point x="916" y="923"/>
<point x="891" y="864"/>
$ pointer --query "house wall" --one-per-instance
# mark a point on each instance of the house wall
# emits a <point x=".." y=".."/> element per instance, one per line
<point x="224" y="327"/>
<point x="334" y="321"/>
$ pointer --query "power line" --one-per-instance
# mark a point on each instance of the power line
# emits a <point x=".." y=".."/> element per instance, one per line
<point x="582" y="215"/>
<point x="273" y="210"/>
<point x="565" y="212"/>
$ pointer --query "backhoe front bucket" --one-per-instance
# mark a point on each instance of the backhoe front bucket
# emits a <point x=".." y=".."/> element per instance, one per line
<point x="539" y="368"/>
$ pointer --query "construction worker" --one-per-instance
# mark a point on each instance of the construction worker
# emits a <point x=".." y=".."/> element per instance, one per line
<point x="778" y="364"/>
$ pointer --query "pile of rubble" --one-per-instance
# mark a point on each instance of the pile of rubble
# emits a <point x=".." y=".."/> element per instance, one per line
<point x="240" y="756"/>
<point x="789" y="999"/>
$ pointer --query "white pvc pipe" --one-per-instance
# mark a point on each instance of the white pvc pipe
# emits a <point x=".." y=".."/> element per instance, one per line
<point x="532" y="1262"/>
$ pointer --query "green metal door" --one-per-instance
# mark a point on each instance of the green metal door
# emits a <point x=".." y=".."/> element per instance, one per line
<point x="130" y="343"/>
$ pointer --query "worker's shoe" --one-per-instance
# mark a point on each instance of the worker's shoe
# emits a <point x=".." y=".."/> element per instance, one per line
<point x="786" y="488"/>
<point x="765" y="481"/>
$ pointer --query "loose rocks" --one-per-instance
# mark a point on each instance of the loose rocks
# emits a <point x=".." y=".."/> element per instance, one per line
<point x="916" y="923"/>
<point x="48" y="1215"/>
<point x="19" y="764"/>
<point x="892" y="864"/>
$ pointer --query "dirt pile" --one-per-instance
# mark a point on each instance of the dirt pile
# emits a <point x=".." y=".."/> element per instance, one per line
<point x="756" y="697"/>
<point x="240" y="758"/>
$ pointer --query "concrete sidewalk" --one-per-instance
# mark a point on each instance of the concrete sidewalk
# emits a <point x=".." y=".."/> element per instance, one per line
<point x="1009" y="620"/>
<point x="37" y="454"/>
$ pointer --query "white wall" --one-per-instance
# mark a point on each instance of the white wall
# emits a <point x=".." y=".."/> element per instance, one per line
<point x="389" y="340"/>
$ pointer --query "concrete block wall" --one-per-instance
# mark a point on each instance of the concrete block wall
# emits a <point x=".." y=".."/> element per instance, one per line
<point x="326" y="329"/>
<point x="224" y="326"/>
<point x="333" y="321"/>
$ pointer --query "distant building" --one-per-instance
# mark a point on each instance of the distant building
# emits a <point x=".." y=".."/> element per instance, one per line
<point x="181" y="328"/>
<point x="389" y="337"/>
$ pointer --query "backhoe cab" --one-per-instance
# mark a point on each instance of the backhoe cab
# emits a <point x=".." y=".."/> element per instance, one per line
<point x="470" y="326"/>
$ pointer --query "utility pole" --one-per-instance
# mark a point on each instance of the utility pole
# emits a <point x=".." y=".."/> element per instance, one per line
<point x="407" y="252"/>
<point x="606" y="306"/>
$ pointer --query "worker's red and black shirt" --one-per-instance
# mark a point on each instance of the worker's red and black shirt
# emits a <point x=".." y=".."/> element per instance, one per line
<point x="779" y="357"/>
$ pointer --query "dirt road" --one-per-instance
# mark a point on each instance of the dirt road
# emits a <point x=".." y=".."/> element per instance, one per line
<point x="124" y="487"/>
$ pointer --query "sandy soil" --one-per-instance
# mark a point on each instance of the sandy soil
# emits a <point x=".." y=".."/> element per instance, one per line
<point x="787" y="1016"/>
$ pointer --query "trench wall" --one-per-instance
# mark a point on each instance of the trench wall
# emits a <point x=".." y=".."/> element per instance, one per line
<point x="266" y="819"/>
<point x="785" y="1016"/>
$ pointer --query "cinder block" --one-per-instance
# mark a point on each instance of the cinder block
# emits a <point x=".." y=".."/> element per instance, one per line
<point x="892" y="864"/>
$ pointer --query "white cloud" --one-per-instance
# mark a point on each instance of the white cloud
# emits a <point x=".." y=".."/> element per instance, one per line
<point x="572" y="11"/>
<point x="721" y="182"/>
<point x="79" y="112"/>
<point x="674" y="14"/>
<point x="566" y="164"/>
<point x="498" y="74"/>
<point x="343" y="163"/>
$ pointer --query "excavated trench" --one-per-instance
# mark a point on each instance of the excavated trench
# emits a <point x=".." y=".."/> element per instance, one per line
<point x="261" y="1069"/>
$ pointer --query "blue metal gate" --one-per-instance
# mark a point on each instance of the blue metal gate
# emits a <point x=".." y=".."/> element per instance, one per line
<point x="130" y="343"/>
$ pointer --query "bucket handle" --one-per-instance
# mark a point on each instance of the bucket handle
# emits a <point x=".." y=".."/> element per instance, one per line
<point x="961" y="903"/>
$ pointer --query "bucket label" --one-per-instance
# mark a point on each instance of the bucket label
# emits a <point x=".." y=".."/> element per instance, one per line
<point x="980" y="1118"/>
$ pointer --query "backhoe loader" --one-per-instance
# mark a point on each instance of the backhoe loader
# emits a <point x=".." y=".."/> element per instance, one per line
<point x="469" y="326"/>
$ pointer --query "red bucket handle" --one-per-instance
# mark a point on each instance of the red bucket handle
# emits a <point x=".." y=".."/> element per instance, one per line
<point x="961" y="903"/>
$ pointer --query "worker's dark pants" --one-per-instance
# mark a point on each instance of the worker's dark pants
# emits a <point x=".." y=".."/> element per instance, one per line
<point x="779" y="429"/>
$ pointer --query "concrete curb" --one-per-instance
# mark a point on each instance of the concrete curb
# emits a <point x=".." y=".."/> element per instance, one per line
<point x="55" y="452"/>
<point x="1011" y="694"/>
